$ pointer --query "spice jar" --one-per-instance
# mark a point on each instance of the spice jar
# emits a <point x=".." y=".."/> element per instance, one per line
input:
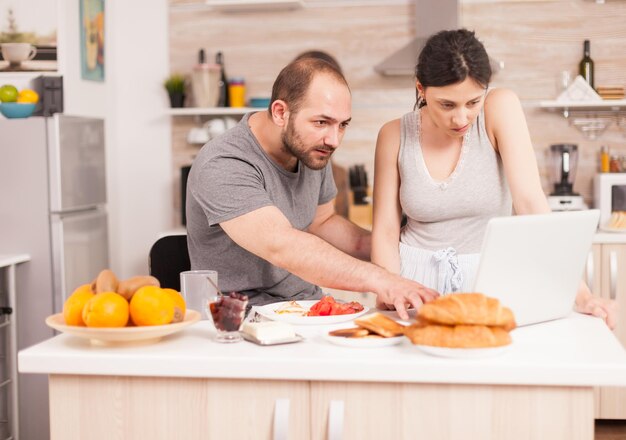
<point x="605" y="160"/>
<point x="615" y="165"/>
<point x="237" y="92"/>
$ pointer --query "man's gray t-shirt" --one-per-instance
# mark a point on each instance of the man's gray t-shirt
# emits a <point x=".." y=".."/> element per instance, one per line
<point x="231" y="176"/>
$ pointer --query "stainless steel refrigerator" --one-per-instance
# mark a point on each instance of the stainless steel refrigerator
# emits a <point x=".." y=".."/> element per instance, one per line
<point x="52" y="207"/>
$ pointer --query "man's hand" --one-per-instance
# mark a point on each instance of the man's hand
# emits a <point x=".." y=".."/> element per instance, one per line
<point x="600" y="307"/>
<point x="402" y="293"/>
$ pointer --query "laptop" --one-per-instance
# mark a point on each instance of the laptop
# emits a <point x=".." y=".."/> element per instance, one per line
<point x="534" y="263"/>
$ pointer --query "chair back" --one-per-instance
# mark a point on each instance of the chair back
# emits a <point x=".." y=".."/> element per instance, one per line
<point x="168" y="258"/>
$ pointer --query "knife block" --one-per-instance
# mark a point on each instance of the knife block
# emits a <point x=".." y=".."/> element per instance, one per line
<point x="361" y="215"/>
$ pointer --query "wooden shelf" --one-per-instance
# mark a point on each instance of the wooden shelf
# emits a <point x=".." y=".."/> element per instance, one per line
<point x="212" y="111"/>
<point x="590" y="118"/>
<point x="253" y="5"/>
<point x="606" y="105"/>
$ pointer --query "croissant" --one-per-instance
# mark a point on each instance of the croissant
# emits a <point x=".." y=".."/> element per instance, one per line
<point x="468" y="308"/>
<point x="458" y="336"/>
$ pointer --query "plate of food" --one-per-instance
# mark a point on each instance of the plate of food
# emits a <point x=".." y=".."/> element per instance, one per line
<point x="608" y="228"/>
<point x="323" y="312"/>
<point x="617" y="223"/>
<point x="463" y="353"/>
<point x="122" y="335"/>
<point x="371" y="331"/>
<point x="368" y="341"/>
<point x="464" y="325"/>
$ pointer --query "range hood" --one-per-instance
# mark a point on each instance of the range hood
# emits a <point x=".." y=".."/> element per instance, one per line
<point x="431" y="16"/>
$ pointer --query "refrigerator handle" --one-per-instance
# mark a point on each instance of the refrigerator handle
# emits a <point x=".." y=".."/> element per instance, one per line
<point x="58" y="263"/>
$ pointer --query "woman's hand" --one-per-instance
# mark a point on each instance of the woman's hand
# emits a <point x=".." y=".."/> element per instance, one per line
<point x="593" y="305"/>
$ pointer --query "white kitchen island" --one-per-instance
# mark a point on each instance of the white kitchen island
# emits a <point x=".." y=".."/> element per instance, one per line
<point x="187" y="386"/>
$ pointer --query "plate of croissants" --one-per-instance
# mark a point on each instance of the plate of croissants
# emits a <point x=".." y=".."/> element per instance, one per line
<point x="462" y="325"/>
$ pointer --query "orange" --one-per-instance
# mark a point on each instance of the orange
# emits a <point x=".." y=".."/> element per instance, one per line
<point x="28" y="96"/>
<point x="106" y="309"/>
<point x="179" y="304"/>
<point x="73" y="306"/>
<point x="151" y="306"/>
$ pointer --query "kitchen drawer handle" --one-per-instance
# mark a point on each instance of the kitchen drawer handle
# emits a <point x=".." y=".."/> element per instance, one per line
<point x="613" y="274"/>
<point x="335" y="420"/>
<point x="281" y="419"/>
<point x="590" y="270"/>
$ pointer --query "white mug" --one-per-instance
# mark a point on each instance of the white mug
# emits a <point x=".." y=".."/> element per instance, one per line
<point x="197" y="290"/>
<point x="15" y="53"/>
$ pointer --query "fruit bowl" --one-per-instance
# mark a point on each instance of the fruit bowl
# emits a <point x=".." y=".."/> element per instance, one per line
<point x="122" y="335"/>
<point x="14" y="110"/>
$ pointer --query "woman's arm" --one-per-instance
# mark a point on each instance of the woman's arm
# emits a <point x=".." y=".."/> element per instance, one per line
<point x="387" y="211"/>
<point x="507" y="129"/>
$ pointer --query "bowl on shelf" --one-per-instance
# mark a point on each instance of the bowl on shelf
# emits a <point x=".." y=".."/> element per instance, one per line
<point x="13" y="110"/>
<point x="259" y="102"/>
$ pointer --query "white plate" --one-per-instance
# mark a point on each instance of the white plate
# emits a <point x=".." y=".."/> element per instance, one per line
<point x="464" y="353"/>
<point x="268" y="311"/>
<point x="363" y="342"/>
<point x="610" y="229"/>
<point x="122" y="335"/>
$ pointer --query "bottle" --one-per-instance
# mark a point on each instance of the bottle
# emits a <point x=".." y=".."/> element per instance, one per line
<point x="605" y="159"/>
<point x="237" y="92"/>
<point x="223" y="100"/>
<point x="585" y="68"/>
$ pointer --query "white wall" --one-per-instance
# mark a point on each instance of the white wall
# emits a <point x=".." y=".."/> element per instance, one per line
<point x="133" y="103"/>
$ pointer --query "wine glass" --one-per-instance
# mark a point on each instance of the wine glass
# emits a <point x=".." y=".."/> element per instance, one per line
<point x="563" y="81"/>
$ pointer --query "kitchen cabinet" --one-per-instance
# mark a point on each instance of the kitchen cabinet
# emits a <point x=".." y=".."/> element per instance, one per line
<point x="604" y="275"/>
<point x="9" y="408"/>
<point x="104" y="407"/>
<point x="356" y="411"/>
<point x="175" y="408"/>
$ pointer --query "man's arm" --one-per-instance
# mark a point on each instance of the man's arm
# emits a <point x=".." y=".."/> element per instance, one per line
<point x="267" y="233"/>
<point x="340" y="232"/>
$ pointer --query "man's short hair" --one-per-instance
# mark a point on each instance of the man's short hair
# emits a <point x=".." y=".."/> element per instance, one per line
<point x="294" y="80"/>
<point x="320" y="54"/>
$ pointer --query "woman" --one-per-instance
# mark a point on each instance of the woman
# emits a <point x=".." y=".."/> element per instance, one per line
<point x="462" y="157"/>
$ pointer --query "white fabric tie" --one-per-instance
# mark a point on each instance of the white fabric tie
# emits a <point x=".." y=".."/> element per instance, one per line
<point x="450" y="278"/>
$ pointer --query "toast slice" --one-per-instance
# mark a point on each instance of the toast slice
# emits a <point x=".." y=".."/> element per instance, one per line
<point x="354" y="332"/>
<point x="381" y="325"/>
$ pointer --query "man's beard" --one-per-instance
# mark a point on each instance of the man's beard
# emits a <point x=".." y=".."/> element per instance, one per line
<point x="293" y="144"/>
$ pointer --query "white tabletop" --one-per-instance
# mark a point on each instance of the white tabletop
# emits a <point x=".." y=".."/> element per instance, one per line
<point x="610" y="237"/>
<point x="578" y="351"/>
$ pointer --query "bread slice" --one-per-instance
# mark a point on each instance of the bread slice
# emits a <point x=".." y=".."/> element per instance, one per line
<point x="354" y="332"/>
<point x="381" y="325"/>
<point x="458" y="336"/>
<point x="468" y="308"/>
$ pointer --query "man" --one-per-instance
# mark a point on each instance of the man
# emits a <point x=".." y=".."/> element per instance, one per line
<point x="260" y="200"/>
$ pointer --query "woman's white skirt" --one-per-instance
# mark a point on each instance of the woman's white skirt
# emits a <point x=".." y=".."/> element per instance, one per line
<point x="443" y="270"/>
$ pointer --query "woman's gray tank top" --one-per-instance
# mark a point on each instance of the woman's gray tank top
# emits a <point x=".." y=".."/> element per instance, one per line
<point x="453" y="212"/>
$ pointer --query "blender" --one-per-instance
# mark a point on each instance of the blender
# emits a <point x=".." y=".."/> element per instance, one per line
<point x="564" y="158"/>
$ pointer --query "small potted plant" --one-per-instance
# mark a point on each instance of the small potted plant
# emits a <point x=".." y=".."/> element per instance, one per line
<point x="175" y="86"/>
